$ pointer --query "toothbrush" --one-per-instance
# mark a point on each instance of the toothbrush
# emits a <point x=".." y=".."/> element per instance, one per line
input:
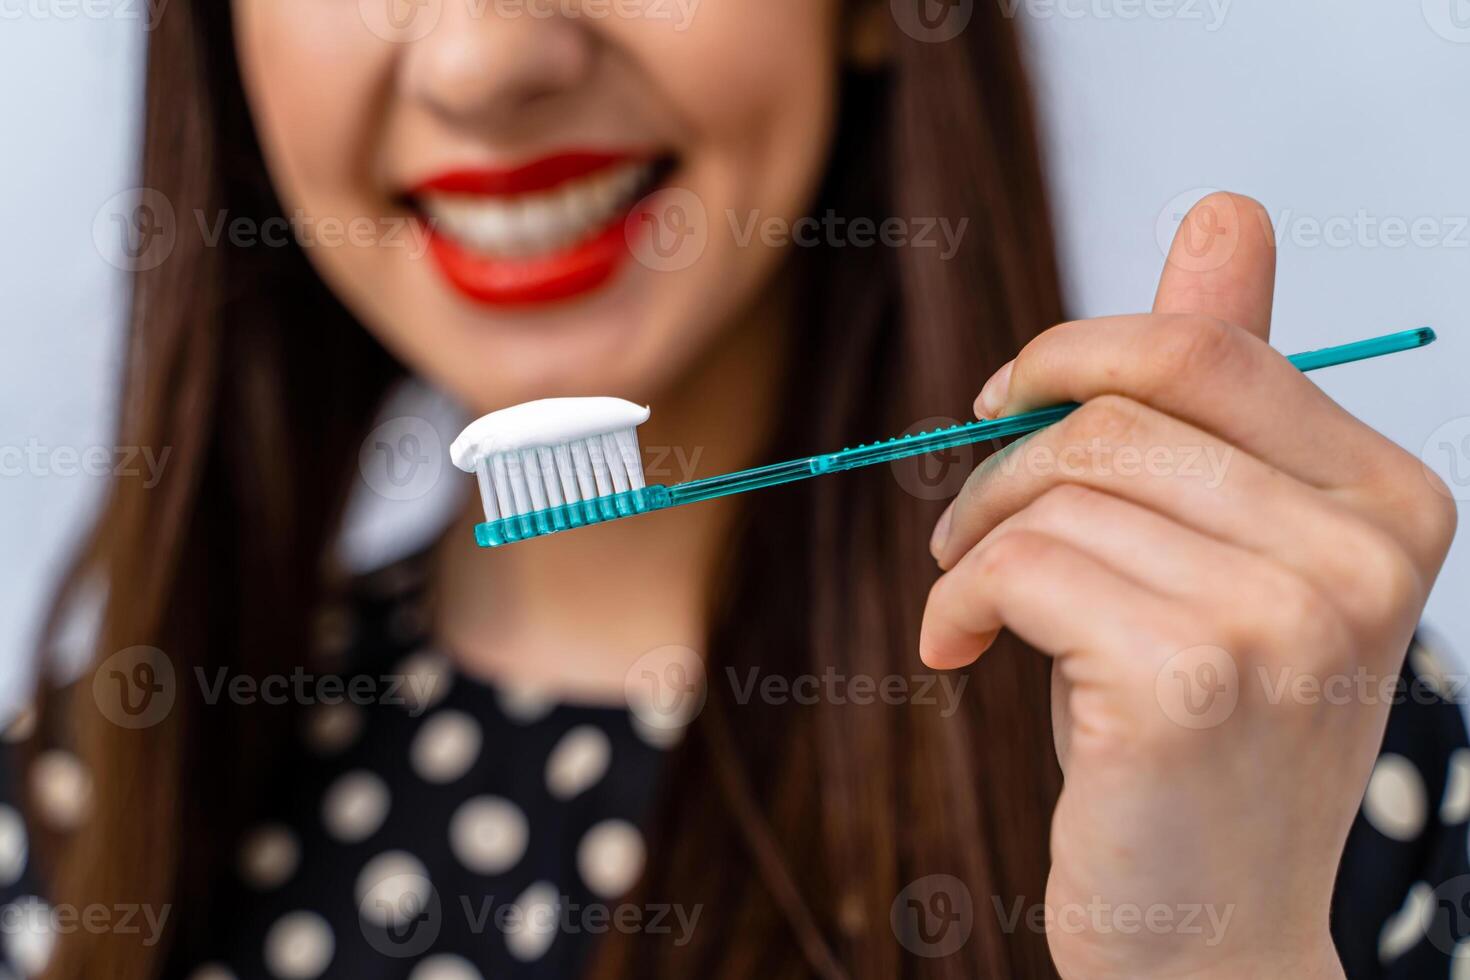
<point x="562" y="463"/>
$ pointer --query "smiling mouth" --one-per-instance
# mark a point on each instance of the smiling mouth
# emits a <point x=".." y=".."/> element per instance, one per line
<point x="547" y="231"/>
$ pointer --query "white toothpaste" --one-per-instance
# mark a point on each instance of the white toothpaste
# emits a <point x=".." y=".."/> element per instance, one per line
<point x="548" y="422"/>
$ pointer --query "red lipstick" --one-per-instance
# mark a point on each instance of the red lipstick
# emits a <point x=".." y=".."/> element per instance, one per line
<point x="588" y="219"/>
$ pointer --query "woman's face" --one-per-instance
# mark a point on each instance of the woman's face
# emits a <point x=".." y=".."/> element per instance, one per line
<point x="466" y="174"/>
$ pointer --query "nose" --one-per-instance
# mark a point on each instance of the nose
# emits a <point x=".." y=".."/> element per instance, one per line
<point x="479" y="63"/>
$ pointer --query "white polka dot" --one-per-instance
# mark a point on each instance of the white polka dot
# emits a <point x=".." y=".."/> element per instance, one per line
<point x="656" y="736"/>
<point x="488" y="834"/>
<point x="355" y="806"/>
<point x="445" y="966"/>
<point x="393" y="889"/>
<point x="446" y="747"/>
<point x="1431" y="670"/>
<point x="524" y="704"/>
<point x="212" y="971"/>
<point x="610" y="858"/>
<point x="1407" y="926"/>
<point x="1460" y="961"/>
<point x="1395" y="801"/>
<point x="332" y="728"/>
<point x="29" y="935"/>
<point x="1455" y="807"/>
<point x="532" y="926"/>
<point x="427" y="678"/>
<point x="299" y="946"/>
<point x="14" y="845"/>
<point x="62" y="788"/>
<point x="579" y="760"/>
<point x="268" y="856"/>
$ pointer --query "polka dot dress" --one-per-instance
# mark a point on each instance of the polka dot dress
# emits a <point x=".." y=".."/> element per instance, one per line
<point x="454" y="830"/>
<point x="445" y="829"/>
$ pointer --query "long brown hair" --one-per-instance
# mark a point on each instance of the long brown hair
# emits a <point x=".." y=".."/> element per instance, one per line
<point x="793" y="826"/>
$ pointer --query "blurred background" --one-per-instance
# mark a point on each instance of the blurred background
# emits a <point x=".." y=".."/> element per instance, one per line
<point x="1348" y="125"/>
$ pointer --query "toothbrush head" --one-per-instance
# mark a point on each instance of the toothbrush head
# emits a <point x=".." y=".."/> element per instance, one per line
<point x="555" y="464"/>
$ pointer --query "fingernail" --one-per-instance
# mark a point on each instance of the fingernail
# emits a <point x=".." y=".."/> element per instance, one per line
<point x="993" y="396"/>
<point x="941" y="532"/>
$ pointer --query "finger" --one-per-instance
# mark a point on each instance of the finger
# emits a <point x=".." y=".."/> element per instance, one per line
<point x="1213" y="376"/>
<point x="1054" y="597"/>
<point x="1137" y="543"/>
<point x="1165" y="557"/>
<point x="1222" y="264"/>
<point x="1138" y="454"/>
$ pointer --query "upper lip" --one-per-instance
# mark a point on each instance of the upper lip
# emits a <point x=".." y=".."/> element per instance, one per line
<point x="527" y="178"/>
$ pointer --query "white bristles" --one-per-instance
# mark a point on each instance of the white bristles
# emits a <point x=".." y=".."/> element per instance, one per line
<point x="552" y="453"/>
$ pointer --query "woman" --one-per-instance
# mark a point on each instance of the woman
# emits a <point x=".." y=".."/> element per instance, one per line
<point x="896" y="837"/>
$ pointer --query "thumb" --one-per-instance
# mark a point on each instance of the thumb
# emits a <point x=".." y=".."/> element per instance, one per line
<point x="1222" y="264"/>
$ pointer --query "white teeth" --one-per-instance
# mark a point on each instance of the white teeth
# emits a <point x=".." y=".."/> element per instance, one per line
<point x="535" y="224"/>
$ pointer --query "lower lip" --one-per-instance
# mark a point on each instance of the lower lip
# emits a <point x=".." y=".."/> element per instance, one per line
<point x="535" y="280"/>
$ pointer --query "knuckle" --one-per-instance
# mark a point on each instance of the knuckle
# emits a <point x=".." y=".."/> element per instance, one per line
<point x="1112" y="419"/>
<point x="1189" y="350"/>
<point x="1010" y="552"/>
<point x="1063" y="498"/>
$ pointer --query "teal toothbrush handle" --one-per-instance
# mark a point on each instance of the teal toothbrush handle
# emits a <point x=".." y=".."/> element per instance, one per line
<point x="658" y="497"/>
<point x="903" y="447"/>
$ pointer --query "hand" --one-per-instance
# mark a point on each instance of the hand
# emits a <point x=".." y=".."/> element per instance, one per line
<point x="1208" y="524"/>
